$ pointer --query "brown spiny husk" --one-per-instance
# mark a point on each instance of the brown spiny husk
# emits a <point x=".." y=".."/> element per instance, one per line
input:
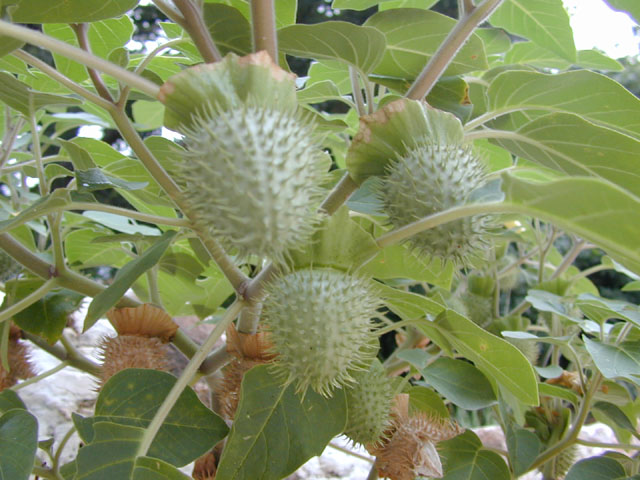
<point x="248" y="351"/>
<point x="19" y="364"/>
<point x="144" y="321"/>
<point x="132" y="351"/>
<point x="409" y="449"/>
<point x="205" y="467"/>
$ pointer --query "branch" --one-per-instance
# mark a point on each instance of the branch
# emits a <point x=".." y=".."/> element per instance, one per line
<point x="263" y="21"/>
<point x="447" y="51"/>
<point x="79" y="55"/>
<point x="77" y="361"/>
<point x="125" y="212"/>
<point x="80" y="30"/>
<point x="194" y="25"/>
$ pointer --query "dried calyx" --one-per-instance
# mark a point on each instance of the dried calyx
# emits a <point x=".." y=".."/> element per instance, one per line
<point x="18" y="361"/>
<point x="143" y="333"/>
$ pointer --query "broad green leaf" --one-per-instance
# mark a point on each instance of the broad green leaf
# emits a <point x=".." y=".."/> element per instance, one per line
<point x="339" y="243"/>
<point x="111" y="452"/>
<point x="597" y="468"/>
<point x="545" y="22"/>
<point x="82" y="249"/>
<point x="9" y="400"/>
<point x="9" y="44"/>
<point x="229" y="29"/>
<point x="320" y="92"/>
<point x="108" y="35"/>
<point x="408" y="305"/>
<point x="524" y="446"/>
<point x="463" y="458"/>
<point x="596" y="60"/>
<point x="68" y="11"/>
<point x="629" y="6"/>
<point x="531" y="54"/>
<point x="549" y="302"/>
<point x="95" y="179"/>
<point x="632" y="286"/>
<point x="48" y="316"/>
<point x="616" y="361"/>
<point x="571" y="145"/>
<point x="415" y="356"/>
<point x="413" y="36"/>
<point x="275" y="431"/>
<point x="594" y="97"/>
<point x="331" y="70"/>
<point x="594" y="209"/>
<point x="497" y="358"/>
<point x="426" y="400"/>
<point x="147" y="468"/>
<point x="47" y="204"/>
<point x="21" y="97"/>
<point x="388" y="5"/>
<point x="356" y="45"/>
<point x="397" y="261"/>
<point x="615" y="415"/>
<point x="495" y="40"/>
<point x="121" y="223"/>
<point x="18" y="444"/>
<point x="148" y="115"/>
<point x="125" y="278"/>
<point x="559" y="392"/>
<point x="602" y="309"/>
<point x="132" y="397"/>
<point x="460" y="382"/>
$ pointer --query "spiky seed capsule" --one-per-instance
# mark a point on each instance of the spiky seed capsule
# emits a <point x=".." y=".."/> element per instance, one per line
<point x="131" y="351"/>
<point x="19" y="364"/>
<point x="369" y="404"/>
<point x="253" y="177"/>
<point x="429" y="179"/>
<point x="320" y="326"/>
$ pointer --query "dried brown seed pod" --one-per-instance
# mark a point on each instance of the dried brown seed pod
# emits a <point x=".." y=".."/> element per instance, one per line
<point x="19" y="365"/>
<point x="205" y="467"/>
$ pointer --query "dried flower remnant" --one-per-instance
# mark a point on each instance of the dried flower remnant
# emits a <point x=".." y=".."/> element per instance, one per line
<point x="143" y="333"/>
<point x="19" y="364"/>
<point x="410" y="448"/>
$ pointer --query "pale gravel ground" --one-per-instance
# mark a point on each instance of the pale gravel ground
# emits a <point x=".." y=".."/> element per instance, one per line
<point x="53" y="400"/>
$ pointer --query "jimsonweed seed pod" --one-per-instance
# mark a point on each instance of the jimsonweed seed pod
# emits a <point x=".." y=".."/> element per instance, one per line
<point x="320" y="326"/>
<point x="253" y="177"/>
<point x="428" y="179"/>
<point x="369" y="403"/>
<point x="19" y="364"/>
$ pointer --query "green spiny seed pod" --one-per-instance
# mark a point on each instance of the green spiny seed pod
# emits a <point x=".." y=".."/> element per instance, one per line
<point x="528" y="348"/>
<point x="9" y="268"/>
<point x="429" y="179"/>
<point x="479" y="308"/>
<point x="369" y="404"/>
<point x="253" y="176"/>
<point x="320" y="325"/>
<point x="561" y="463"/>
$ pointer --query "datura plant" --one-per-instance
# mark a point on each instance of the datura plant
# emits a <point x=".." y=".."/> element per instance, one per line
<point x="389" y="232"/>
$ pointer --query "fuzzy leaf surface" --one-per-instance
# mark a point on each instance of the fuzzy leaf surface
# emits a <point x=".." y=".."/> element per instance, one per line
<point x="275" y="431"/>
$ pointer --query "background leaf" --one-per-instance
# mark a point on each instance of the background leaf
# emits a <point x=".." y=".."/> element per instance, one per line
<point x="147" y="468"/>
<point x="68" y="11"/>
<point x="616" y="361"/>
<point x="597" y="468"/>
<point x="463" y="458"/>
<point x="275" y="431"/>
<point x="18" y="444"/>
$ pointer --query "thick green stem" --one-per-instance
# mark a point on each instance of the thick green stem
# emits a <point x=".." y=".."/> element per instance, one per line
<point x="37" y="378"/>
<point x="79" y="55"/>
<point x="171" y="12"/>
<point x="216" y="360"/>
<point x="194" y="25"/>
<point x="186" y="376"/>
<point x="9" y="138"/>
<point x="357" y="91"/>
<point x="75" y="360"/>
<point x="263" y="21"/>
<point x="125" y="212"/>
<point x="340" y="193"/>
<point x="447" y="51"/>
<point x="30" y="299"/>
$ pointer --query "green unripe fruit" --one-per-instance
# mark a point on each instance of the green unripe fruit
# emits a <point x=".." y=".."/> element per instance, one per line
<point x="253" y="177"/>
<point x="429" y="179"/>
<point x="320" y="325"/>
<point x="479" y="308"/>
<point x="369" y="404"/>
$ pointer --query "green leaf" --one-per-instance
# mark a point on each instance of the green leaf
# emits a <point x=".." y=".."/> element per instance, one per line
<point x="602" y="309"/>
<point x="559" y="392"/>
<point x="229" y="29"/>
<point x="460" y="382"/>
<point x="68" y="11"/>
<point x="596" y="210"/>
<point x="549" y="302"/>
<point x="408" y="305"/>
<point x="331" y="70"/>
<point x="617" y="416"/>
<point x="495" y="40"/>
<point x="356" y="45"/>
<point x="426" y="400"/>
<point x="596" y="60"/>
<point x="132" y="397"/>
<point x="18" y="444"/>
<point x="629" y="6"/>
<point x="47" y="204"/>
<point x="463" y="458"/>
<point x="597" y="468"/>
<point x="320" y="92"/>
<point x="48" y="316"/>
<point x="95" y="179"/>
<point x="593" y="96"/>
<point x="120" y="223"/>
<point x="125" y="278"/>
<point x="339" y="242"/>
<point x="21" y="97"/>
<point x="524" y="446"/>
<point x="82" y="249"/>
<point x="616" y="361"/>
<point x="275" y="431"/>
<point x="544" y="22"/>
<point x="147" y="468"/>
<point x="388" y="5"/>
<point x="413" y="36"/>
<point x="9" y="400"/>
<point x="497" y="358"/>
<point x="148" y="115"/>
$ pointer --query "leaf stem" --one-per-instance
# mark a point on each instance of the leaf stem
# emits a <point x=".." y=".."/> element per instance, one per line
<point x="79" y="55"/>
<point x="351" y="452"/>
<point x="623" y="446"/>
<point x="263" y="22"/>
<point x="76" y="361"/>
<point x="357" y="91"/>
<point x="396" y="325"/>
<point x="81" y="29"/>
<point x="30" y="299"/>
<point x="9" y="138"/>
<point x="170" y="11"/>
<point x="37" y="378"/>
<point x="194" y="25"/>
<point x="216" y="360"/>
<point x="186" y="376"/>
<point x="449" y="47"/>
<point x="125" y="212"/>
